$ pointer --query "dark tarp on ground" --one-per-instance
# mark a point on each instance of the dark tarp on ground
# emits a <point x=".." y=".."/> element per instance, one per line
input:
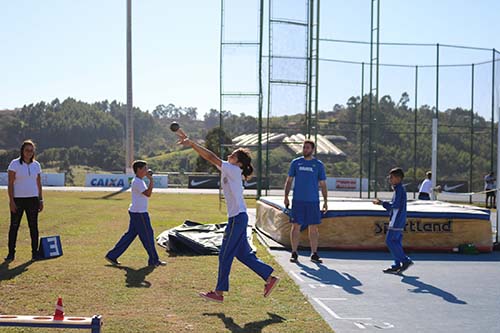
<point x="193" y="238"/>
<point x="196" y="238"/>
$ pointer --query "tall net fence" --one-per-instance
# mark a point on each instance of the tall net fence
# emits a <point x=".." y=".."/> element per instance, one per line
<point x="459" y="84"/>
<point x="287" y="76"/>
<point x="240" y="73"/>
<point x="417" y="82"/>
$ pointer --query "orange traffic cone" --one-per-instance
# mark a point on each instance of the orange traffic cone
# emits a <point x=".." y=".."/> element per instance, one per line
<point x="59" y="314"/>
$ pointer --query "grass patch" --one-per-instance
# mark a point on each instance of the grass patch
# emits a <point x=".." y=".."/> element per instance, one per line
<point x="135" y="298"/>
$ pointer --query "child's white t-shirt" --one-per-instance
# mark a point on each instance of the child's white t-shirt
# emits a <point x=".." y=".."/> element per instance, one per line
<point x="139" y="201"/>
<point x="232" y="186"/>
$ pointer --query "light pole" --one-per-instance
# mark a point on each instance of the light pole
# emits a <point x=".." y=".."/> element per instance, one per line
<point x="129" y="120"/>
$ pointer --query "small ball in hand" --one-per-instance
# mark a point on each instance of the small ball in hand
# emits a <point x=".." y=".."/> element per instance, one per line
<point x="174" y="126"/>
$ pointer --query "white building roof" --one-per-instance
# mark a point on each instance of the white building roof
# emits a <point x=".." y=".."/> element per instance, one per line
<point x="293" y="142"/>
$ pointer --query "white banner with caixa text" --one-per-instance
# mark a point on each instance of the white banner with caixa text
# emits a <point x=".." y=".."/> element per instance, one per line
<point x="120" y="180"/>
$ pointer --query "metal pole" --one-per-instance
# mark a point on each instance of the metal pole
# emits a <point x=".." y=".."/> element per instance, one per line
<point x="498" y="138"/>
<point x="316" y="91"/>
<point x="221" y="91"/>
<point x="415" y="134"/>
<point x="361" y="131"/>
<point x="269" y="77"/>
<point x="221" y="54"/>
<point x="370" y="101"/>
<point x="471" y="132"/>
<point x="259" y="151"/>
<point x="129" y="120"/>
<point x="377" y="105"/>
<point x="492" y="111"/>
<point x="309" y="80"/>
<point x="435" y="125"/>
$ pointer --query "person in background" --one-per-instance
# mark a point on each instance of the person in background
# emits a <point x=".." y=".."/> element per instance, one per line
<point x="425" y="190"/>
<point x="25" y="195"/>
<point x="490" y="184"/>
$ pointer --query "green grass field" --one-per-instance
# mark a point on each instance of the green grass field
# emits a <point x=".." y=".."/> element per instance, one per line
<point x="134" y="298"/>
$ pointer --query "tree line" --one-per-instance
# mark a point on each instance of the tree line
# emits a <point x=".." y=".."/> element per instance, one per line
<point x="73" y="132"/>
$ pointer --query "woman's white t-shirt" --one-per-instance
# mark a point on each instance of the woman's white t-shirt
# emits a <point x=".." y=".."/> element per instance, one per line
<point x="25" y="185"/>
<point x="232" y="186"/>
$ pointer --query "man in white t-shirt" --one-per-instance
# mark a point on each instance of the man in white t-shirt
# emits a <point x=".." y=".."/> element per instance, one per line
<point x="25" y="195"/>
<point x="425" y="191"/>
<point x="140" y="224"/>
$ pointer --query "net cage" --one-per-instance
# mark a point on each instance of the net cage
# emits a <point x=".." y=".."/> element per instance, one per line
<point x="369" y="105"/>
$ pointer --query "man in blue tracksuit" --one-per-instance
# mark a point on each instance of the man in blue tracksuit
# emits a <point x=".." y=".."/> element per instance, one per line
<point x="397" y="209"/>
<point x="309" y="174"/>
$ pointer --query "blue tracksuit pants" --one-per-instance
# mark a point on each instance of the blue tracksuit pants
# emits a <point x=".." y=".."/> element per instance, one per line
<point x="140" y="224"/>
<point x="394" y="241"/>
<point x="235" y="244"/>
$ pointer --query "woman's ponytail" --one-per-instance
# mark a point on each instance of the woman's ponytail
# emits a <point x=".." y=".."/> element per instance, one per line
<point x="246" y="162"/>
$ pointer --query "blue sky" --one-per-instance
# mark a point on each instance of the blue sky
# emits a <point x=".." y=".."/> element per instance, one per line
<point x="59" y="48"/>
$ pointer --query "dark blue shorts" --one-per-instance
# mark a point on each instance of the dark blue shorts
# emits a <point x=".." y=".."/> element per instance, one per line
<point x="305" y="213"/>
<point x="423" y="196"/>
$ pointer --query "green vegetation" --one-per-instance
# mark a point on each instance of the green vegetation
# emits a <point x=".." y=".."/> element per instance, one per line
<point x="395" y="139"/>
<point x="74" y="133"/>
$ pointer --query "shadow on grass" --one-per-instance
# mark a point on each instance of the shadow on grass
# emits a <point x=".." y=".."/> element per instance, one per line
<point x="7" y="273"/>
<point x="136" y="278"/>
<point x="252" y="327"/>
<point x="425" y="288"/>
<point x="189" y="254"/>
<point x="327" y="276"/>
<point x="102" y="198"/>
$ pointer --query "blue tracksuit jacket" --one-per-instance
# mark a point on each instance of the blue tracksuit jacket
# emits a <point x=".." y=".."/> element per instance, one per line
<point x="397" y="208"/>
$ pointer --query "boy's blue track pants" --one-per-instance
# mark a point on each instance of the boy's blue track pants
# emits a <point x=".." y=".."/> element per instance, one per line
<point x="394" y="241"/>
<point x="140" y="225"/>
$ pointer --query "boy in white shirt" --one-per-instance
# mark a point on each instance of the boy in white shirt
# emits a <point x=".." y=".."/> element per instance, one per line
<point x="140" y="224"/>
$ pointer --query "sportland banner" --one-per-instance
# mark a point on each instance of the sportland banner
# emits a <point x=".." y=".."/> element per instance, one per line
<point x="120" y="180"/>
<point x="345" y="184"/>
<point x="48" y="179"/>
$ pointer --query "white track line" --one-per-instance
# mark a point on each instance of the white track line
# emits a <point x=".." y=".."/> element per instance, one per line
<point x="332" y="313"/>
<point x="297" y="276"/>
<point x="359" y="325"/>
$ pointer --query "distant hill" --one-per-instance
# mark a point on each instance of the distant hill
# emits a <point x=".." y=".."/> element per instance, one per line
<point x="74" y="132"/>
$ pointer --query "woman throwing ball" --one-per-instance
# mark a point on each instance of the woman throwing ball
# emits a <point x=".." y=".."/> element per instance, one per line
<point x="235" y="242"/>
